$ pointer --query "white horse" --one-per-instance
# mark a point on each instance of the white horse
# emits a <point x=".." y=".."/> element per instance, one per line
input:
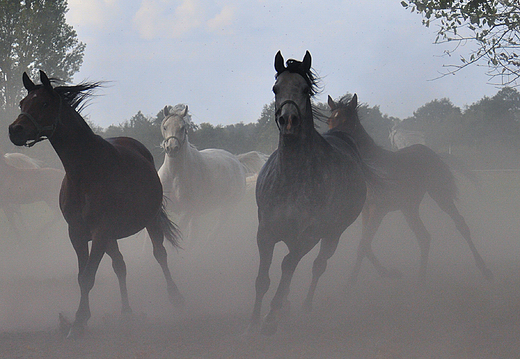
<point x="199" y="182"/>
<point x="401" y="138"/>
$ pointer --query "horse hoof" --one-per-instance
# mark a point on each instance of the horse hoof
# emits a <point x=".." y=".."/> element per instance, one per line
<point x="392" y="274"/>
<point x="252" y="329"/>
<point x="488" y="274"/>
<point x="76" y="332"/>
<point x="269" y="328"/>
<point x="307" y="306"/>
<point x="178" y="301"/>
<point x="286" y="309"/>
<point x="64" y="324"/>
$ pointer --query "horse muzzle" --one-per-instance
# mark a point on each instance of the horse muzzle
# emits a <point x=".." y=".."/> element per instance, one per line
<point x="19" y="134"/>
<point x="289" y="124"/>
<point x="171" y="146"/>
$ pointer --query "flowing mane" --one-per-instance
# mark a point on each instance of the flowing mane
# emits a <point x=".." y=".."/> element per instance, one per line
<point x="310" y="76"/>
<point x="74" y="95"/>
<point x="313" y="81"/>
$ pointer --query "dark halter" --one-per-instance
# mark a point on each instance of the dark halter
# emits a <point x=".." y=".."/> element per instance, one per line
<point x="279" y="109"/>
<point x="40" y="136"/>
<point x="163" y="144"/>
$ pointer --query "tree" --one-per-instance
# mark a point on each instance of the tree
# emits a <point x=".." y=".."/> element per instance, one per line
<point x="440" y="121"/>
<point x="493" y="25"/>
<point x="34" y="35"/>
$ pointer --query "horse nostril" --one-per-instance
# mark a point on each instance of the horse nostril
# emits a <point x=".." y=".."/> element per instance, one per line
<point x="281" y="120"/>
<point x="15" y="129"/>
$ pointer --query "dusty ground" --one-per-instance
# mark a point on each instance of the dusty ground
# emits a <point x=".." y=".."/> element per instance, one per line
<point x="456" y="314"/>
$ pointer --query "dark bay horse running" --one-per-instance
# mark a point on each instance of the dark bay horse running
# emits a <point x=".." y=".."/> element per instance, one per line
<point x="412" y="172"/>
<point x="311" y="188"/>
<point x="111" y="189"/>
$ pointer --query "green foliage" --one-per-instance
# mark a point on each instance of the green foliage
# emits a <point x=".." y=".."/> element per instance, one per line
<point x="440" y="121"/>
<point x="34" y="35"/>
<point x="494" y="26"/>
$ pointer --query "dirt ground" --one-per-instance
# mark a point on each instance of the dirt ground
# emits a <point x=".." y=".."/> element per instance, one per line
<point x="455" y="314"/>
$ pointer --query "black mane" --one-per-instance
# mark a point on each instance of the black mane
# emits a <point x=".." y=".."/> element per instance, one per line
<point x="310" y="76"/>
<point x="75" y="95"/>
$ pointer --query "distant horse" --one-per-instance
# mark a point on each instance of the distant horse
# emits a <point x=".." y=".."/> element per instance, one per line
<point x="401" y="138"/>
<point x="25" y="182"/>
<point x="311" y="188"/>
<point x="412" y="172"/>
<point x="111" y="189"/>
<point x="199" y="182"/>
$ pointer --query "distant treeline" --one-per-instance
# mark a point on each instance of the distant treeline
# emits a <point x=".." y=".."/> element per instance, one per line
<point x="485" y="134"/>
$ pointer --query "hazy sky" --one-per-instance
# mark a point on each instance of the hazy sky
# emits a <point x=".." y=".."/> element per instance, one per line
<point x="217" y="56"/>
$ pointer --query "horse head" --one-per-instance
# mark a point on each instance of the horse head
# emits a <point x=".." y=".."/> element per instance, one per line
<point x="344" y="116"/>
<point x="40" y="113"/>
<point x="174" y="128"/>
<point x="295" y="85"/>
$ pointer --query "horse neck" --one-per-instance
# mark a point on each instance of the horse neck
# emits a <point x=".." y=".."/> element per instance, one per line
<point x="296" y="152"/>
<point x="75" y="143"/>
<point x="182" y="164"/>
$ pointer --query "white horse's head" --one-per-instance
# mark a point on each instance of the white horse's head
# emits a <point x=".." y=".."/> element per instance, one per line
<point x="174" y="128"/>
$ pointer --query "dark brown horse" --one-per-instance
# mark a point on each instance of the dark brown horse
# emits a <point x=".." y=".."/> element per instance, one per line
<point x="111" y="189"/>
<point x="310" y="190"/>
<point x="411" y="173"/>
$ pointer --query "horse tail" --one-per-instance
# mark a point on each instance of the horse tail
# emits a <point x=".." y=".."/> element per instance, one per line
<point x="459" y="167"/>
<point x="170" y="230"/>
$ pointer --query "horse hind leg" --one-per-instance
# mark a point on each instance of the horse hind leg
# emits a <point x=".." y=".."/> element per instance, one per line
<point x="448" y="206"/>
<point x="157" y="237"/>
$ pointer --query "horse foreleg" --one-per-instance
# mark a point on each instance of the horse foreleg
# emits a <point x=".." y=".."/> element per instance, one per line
<point x="119" y="266"/>
<point x="88" y="265"/>
<point x="423" y="238"/>
<point x="10" y="210"/>
<point x="265" y="250"/>
<point x="289" y="264"/>
<point x="157" y="236"/>
<point x="371" y="219"/>
<point x="327" y="248"/>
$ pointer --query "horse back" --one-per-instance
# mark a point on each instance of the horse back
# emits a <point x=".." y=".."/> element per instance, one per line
<point x="132" y="145"/>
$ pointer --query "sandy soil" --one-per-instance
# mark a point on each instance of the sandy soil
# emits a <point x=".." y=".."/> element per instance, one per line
<point x="456" y="314"/>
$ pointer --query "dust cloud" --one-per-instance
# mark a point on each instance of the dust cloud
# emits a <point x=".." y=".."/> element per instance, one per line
<point x="455" y="314"/>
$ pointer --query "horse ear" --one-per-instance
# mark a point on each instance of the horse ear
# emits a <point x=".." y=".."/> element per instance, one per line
<point x="185" y="111"/>
<point x="27" y="83"/>
<point x="331" y="103"/>
<point x="45" y="80"/>
<point x="307" y="61"/>
<point x="166" y="111"/>
<point x="353" y="102"/>
<point x="279" y="65"/>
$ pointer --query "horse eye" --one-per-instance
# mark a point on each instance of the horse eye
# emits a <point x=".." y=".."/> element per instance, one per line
<point x="45" y="105"/>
